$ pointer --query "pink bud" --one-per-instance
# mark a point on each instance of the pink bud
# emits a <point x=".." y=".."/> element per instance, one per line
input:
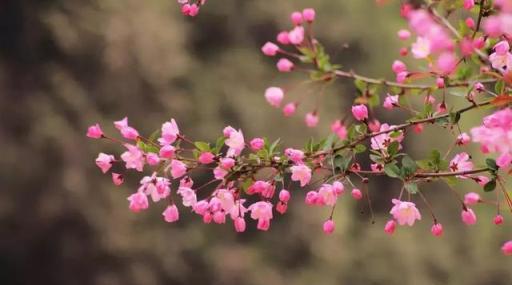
<point x="357" y="194"/>
<point x="167" y="151"/>
<point x="104" y="161"/>
<point x="479" y="43"/>
<point x="138" y="202"/>
<point x="95" y="132"/>
<point x="282" y="38"/>
<point x="117" y="178"/>
<point x="329" y="226"/>
<point x="437" y="230"/>
<point x="404" y="51"/>
<point x="390" y="227"/>
<point x="289" y="109"/>
<point x="129" y="133"/>
<point x="507" y="248"/>
<point x="193" y="10"/>
<point x="281" y="207"/>
<point x="470" y="23"/>
<point x="374" y="125"/>
<point x="219" y="217"/>
<point x="296" y="18"/>
<point x="469" y="4"/>
<point x="284" y="195"/>
<point x="296" y="36"/>
<point x="446" y="63"/>
<point x="269" y="49"/>
<point x="308" y="14"/>
<point x="401" y="76"/>
<point x="440" y="82"/>
<point x="311" y="119"/>
<point x="207" y="218"/>
<point x="398" y="66"/>
<point x="311" y="198"/>
<point x="504" y="160"/>
<point x="418" y="128"/>
<point x="360" y="112"/>
<point x="263" y="224"/>
<point x="274" y="96"/>
<point x="171" y="214"/>
<point x="284" y="65"/>
<point x="152" y="158"/>
<point x="239" y="225"/>
<point x="482" y="180"/>
<point x="206" y="157"/>
<point x="227" y="163"/>
<point x="468" y="217"/>
<point x="498" y="219"/>
<point x="463" y="139"/>
<point x="257" y="144"/>
<point x="404" y="34"/>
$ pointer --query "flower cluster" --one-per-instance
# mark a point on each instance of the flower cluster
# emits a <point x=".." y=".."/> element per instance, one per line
<point x="249" y="176"/>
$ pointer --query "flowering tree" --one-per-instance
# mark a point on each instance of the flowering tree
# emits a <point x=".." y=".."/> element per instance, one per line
<point x="253" y="177"/>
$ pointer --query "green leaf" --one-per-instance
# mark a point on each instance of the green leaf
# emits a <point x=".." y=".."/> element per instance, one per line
<point x="360" y="85"/>
<point x="408" y="165"/>
<point x="393" y="148"/>
<point x="491" y="163"/>
<point x="411" y="187"/>
<point x="499" y="87"/>
<point x="202" y="146"/>
<point x="328" y="143"/>
<point x="490" y="186"/>
<point x="273" y="146"/>
<point x="342" y="162"/>
<point x="219" y="144"/>
<point x="360" y="148"/>
<point x="392" y="170"/>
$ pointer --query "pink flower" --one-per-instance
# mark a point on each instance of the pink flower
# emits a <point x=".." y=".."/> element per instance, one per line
<point x="261" y="187"/>
<point x="227" y="131"/>
<point x="495" y="132"/>
<point x="188" y="196"/>
<point x="360" y="112"/>
<point x="468" y="216"/>
<point x="270" y="49"/>
<point x="463" y="139"/>
<point x="261" y="211"/>
<point x="382" y="141"/>
<point x="309" y="15"/>
<point x="126" y="131"/>
<point x="498" y="219"/>
<point x="206" y="157"/>
<point x="200" y="207"/>
<point x="405" y="212"/>
<point x="282" y="38"/>
<point x="167" y="151"/>
<point x="403" y="34"/>
<point x="95" y="132"/>
<point x="104" y="161"/>
<point x="504" y="160"/>
<point x="390" y="227"/>
<point x="329" y="226"/>
<point x="437" y="230"/>
<point x="502" y="48"/>
<point x="171" y="214"/>
<point x="294" y="155"/>
<point x="311" y="119"/>
<point x="236" y="143"/>
<point x="471" y="198"/>
<point x="357" y="194"/>
<point x="338" y="188"/>
<point x="170" y="133"/>
<point x="446" y="63"/>
<point x="439" y="83"/>
<point x="284" y="65"/>
<point x="219" y="217"/>
<point x="296" y="18"/>
<point x="152" y="158"/>
<point x="461" y="162"/>
<point x="138" y="202"/>
<point x="390" y="102"/>
<point x="284" y="196"/>
<point x="296" y="36"/>
<point x="178" y="168"/>
<point x="133" y="158"/>
<point x="327" y="195"/>
<point x="311" y="198"/>
<point x="274" y="96"/>
<point x="421" y="48"/>
<point x="301" y="173"/>
<point x="117" y="178"/>
<point x="239" y="224"/>
<point x="257" y="144"/>
<point x="507" y="248"/>
<point x="339" y="129"/>
<point x="289" y="109"/>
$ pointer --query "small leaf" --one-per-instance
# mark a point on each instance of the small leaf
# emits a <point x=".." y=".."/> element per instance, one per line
<point x="202" y="146"/>
<point x="490" y="186"/>
<point x="491" y="163"/>
<point x="392" y="170"/>
<point x="411" y="188"/>
<point x="360" y="148"/>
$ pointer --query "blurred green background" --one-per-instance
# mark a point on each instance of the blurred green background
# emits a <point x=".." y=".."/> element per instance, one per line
<point x="67" y="64"/>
